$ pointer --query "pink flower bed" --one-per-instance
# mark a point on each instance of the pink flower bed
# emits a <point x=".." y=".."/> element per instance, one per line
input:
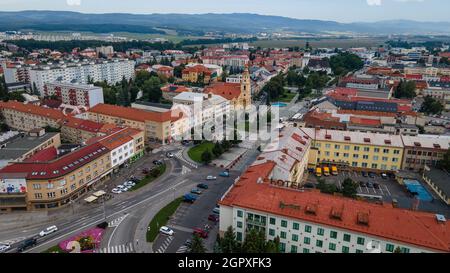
<point x="95" y="233"/>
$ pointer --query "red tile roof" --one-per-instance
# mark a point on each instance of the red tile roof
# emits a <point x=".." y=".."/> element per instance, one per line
<point x="365" y="121"/>
<point x="33" y="109"/>
<point x="197" y="69"/>
<point x="366" y="113"/>
<point x="58" y="167"/>
<point x="43" y="155"/>
<point x="81" y="124"/>
<point x="410" y="227"/>
<point x="130" y="113"/>
<point x="115" y="139"/>
<point x="225" y="89"/>
<point x="174" y="88"/>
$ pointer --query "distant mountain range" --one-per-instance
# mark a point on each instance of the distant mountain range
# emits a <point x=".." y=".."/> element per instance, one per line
<point x="241" y="23"/>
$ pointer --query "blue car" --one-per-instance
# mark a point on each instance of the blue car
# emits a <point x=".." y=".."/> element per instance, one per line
<point x="224" y="174"/>
<point x="196" y="191"/>
<point x="202" y="186"/>
<point x="189" y="198"/>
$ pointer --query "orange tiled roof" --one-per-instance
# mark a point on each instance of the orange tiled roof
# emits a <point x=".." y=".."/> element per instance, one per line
<point x="197" y="68"/>
<point x="33" y="109"/>
<point x="411" y="227"/>
<point x="366" y="113"/>
<point x="365" y="121"/>
<point x="130" y="113"/>
<point x="225" y="89"/>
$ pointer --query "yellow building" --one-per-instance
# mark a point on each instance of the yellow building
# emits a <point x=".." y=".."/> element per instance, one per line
<point x="356" y="150"/>
<point x="196" y="74"/>
<point x="156" y="125"/>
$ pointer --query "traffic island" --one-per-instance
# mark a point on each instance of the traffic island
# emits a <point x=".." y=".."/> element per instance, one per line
<point x="161" y="219"/>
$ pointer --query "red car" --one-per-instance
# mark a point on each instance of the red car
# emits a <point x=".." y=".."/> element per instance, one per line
<point x="201" y="233"/>
<point x="213" y="217"/>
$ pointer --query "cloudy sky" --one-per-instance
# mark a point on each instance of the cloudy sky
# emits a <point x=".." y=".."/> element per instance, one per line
<point x="336" y="10"/>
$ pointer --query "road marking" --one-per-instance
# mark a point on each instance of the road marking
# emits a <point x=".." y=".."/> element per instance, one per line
<point x="117" y="222"/>
<point x="387" y="189"/>
<point x="165" y="245"/>
<point x="13" y="241"/>
<point x="124" y="248"/>
<point x="99" y="217"/>
<point x="182" y="249"/>
<point x="185" y="170"/>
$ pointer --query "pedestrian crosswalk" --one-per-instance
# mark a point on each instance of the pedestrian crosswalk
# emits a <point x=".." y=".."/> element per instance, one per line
<point x="124" y="248"/>
<point x="116" y="222"/>
<point x="165" y="245"/>
<point x="179" y="155"/>
<point x="183" y="249"/>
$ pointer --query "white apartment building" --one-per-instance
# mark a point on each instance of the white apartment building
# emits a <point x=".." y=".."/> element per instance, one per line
<point x="75" y="94"/>
<point x="105" y="50"/>
<point x="110" y="71"/>
<point x="307" y="221"/>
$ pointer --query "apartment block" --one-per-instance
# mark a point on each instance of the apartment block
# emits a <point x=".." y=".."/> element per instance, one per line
<point x="424" y="150"/>
<point x="75" y="94"/>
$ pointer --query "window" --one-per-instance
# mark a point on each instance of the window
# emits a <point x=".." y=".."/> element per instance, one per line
<point x="295" y="237"/>
<point x="337" y="147"/>
<point x="360" y="241"/>
<point x="239" y="236"/>
<point x="283" y="235"/>
<point x="345" y="249"/>
<point x="305" y="250"/>
<point x="239" y="213"/>
<point x="319" y="243"/>
<point x="283" y="223"/>
<point x="376" y="150"/>
<point x="346" y="147"/>
<point x="385" y="151"/>
<point x="366" y="157"/>
<point x="359" y="251"/>
<point x="296" y="226"/>
<point x="51" y="194"/>
<point x="366" y="149"/>
<point x="375" y="158"/>
<point x="332" y="246"/>
<point x="347" y="237"/>
<point x="38" y="195"/>
<point x="328" y="146"/>
<point x="320" y="231"/>
<point x="239" y="224"/>
<point x="282" y="247"/>
<point x="404" y="250"/>
<point x="272" y="221"/>
<point x="293" y="249"/>
<point x="308" y="229"/>
<point x="333" y="234"/>
<point x="36" y="186"/>
<point x="356" y="148"/>
<point x="389" y="248"/>
<point x="271" y="232"/>
<point x="307" y="241"/>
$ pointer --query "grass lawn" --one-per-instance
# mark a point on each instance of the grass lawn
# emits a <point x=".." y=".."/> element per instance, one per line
<point x="161" y="219"/>
<point x="54" y="249"/>
<point x="287" y="99"/>
<point x="195" y="153"/>
<point x="149" y="178"/>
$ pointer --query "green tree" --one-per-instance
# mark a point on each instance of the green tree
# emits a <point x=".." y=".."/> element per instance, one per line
<point x="206" y="157"/>
<point x="3" y="91"/>
<point x="17" y="95"/>
<point x="255" y="242"/>
<point x="273" y="246"/>
<point x="405" y="90"/>
<point x="35" y="90"/>
<point x="345" y="62"/>
<point x="431" y="106"/>
<point x="398" y="250"/>
<point x="110" y="95"/>
<point x="178" y="71"/>
<point x="349" y="188"/>
<point x="217" y="149"/>
<point x="141" y="77"/>
<point x="197" y="245"/>
<point x="445" y="162"/>
<point x="152" y="90"/>
<point x="326" y="188"/>
<point x="229" y="244"/>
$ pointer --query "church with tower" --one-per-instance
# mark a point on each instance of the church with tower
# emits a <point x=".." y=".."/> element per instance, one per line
<point x="238" y="94"/>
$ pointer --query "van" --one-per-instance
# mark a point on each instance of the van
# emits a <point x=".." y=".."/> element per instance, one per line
<point x="326" y="171"/>
<point x="48" y="231"/>
<point x="334" y="170"/>
<point x="318" y="172"/>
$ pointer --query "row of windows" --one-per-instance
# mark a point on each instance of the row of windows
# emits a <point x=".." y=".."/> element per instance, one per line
<point x="358" y="148"/>
<point x="365" y="157"/>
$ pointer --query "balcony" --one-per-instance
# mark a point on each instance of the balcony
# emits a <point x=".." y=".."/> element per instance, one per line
<point x="255" y="222"/>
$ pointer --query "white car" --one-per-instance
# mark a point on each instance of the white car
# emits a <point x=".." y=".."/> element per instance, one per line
<point x="4" y="248"/>
<point x="210" y="177"/>
<point x="129" y="184"/>
<point x="165" y="230"/>
<point x="48" y="231"/>
<point x="116" y="191"/>
<point x="120" y="187"/>
<point x="169" y="155"/>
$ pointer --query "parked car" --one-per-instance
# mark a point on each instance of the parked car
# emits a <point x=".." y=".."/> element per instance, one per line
<point x="370" y="185"/>
<point x="4" y="248"/>
<point x="310" y="186"/>
<point x="185" y="142"/>
<point x="170" y="155"/>
<point x="201" y="233"/>
<point x="190" y="198"/>
<point x="364" y="174"/>
<point x="224" y="174"/>
<point x="196" y="191"/>
<point x="135" y="179"/>
<point x="120" y="187"/>
<point x="372" y="175"/>
<point x="166" y="230"/>
<point x="376" y="186"/>
<point x="216" y="210"/>
<point x="384" y="176"/>
<point x="129" y="184"/>
<point x="145" y="171"/>
<point x="362" y="184"/>
<point x="116" y="191"/>
<point x="48" y="231"/>
<point x="202" y="186"/>
<point x="213" y="217"/>
<point x="188" y="243"/>
<point x="157" y="162"/>
<point x="27" y="244"/>
<point x="210" y="177"/>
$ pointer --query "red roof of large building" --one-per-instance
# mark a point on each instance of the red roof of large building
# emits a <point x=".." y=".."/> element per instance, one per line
<point x="58" y="167"/>
<point x="225" y="89"/>
<point x="366" y="113"/>
<point x="197" y="69"/>
<point x="172" y="88"/>
<point x="130" y="113"/>
<point x="365" y="121"/>
<point x="82" y="124"/>
<point x="33" y="109"/>
<point x="115" y="139"/>
<point x="410" y="227"/>
<point x="43" y="155"/>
